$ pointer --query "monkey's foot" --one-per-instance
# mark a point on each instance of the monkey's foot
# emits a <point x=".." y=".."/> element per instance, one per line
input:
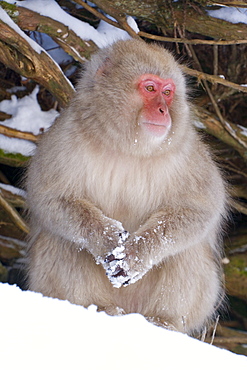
<point x="112" y="310"/>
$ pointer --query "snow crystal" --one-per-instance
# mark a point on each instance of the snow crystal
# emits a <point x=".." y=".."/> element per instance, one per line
<point x="114" y="267"/>
<point x="123" y="237"/>
<point x="117" y="224"/>
<point x="118" y="252"/>
<point x="139" y="237"/>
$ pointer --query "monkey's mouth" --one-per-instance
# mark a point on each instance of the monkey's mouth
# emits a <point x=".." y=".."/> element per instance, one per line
<point x="156" y="129"/>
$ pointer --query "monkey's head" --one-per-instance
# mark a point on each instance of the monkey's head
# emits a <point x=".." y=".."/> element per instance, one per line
<point x="135" y="96"/>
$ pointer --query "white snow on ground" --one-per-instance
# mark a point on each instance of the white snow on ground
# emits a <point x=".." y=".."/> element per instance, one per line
<point x="45" y="333"/>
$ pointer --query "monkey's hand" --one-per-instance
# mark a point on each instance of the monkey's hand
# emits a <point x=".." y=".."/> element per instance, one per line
<point x="113" y="262"/>
<point x="122" y="268"/>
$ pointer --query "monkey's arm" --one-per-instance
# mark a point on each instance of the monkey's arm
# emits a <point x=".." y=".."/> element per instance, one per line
<point x="81" y="222"/>
<point x="164" y="234"/>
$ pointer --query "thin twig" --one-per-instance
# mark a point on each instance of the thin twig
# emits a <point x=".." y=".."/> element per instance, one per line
<point x="204" y="333"/>
<point x="189" y="71"/>
<point x="97" y="13"/>
<point x="216" y="61"/>
<point x="231" y="167"/>
<point x="238" y="340"/>
<point x="123" y="22"/>
<point x="192" y="41"/>
<point x="11" y="132"/>
<point x="213" y="79"/>
<point x="215" y="327"/>
<point x="224" y="123"/>
<point x="240" y="207"/>
<point x="119" y="23"/>
<point x="14" y="215"/>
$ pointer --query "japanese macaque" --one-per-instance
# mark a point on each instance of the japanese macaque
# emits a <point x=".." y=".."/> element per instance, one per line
<point x="126" y="204"/>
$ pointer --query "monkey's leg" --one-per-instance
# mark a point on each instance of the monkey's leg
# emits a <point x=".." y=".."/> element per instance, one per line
<point x="112" y="310"/>
<point x="190" y="290"/>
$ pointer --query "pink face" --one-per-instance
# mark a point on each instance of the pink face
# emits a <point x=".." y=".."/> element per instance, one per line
<point x="157" y="95"/>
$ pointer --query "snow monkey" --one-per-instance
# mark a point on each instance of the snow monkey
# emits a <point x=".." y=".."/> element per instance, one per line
<point x="126" y="204"/>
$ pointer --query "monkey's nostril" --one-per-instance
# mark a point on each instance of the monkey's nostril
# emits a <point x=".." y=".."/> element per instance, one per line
<point x="161" y="111"/>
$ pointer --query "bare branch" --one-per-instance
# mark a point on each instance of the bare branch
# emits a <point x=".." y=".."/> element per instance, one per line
<point x="213" y="79"/>
<point x="191" y="41"/>
<point x="11" y="132"/>
<point x="14" y="215"/>
<point x="17" y="53"/>
<point x="72" y="44"/>
<point x="214" y="127"/>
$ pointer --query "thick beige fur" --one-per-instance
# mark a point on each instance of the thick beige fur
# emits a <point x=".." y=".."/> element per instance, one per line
<point x="97" y="173"/>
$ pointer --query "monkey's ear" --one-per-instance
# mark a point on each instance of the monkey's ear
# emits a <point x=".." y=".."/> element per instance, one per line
<point x="105" y="68"/>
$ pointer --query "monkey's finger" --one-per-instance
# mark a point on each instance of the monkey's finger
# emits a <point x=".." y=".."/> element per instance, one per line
<point x="127" y="282"/>
<point x="114" y="257"/>
<point x="109" y="258"/>
<point x="119" y="272"/>
<point x="116" y="271"/>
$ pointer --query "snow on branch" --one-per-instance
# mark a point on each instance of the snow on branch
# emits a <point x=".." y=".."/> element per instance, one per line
<point x="25" y="56"/>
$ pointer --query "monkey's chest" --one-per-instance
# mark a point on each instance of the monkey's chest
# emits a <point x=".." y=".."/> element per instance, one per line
<point x="128" y="194"/>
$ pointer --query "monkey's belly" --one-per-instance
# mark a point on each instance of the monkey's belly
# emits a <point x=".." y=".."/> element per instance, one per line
<point x="182" y="291"/>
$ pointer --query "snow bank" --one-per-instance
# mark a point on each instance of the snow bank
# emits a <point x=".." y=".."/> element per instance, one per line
<point x="45" y="333"/>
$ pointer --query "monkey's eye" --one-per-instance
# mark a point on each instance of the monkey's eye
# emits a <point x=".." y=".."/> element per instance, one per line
<point x="167" y="92"/>
<point x="150" y="88"/>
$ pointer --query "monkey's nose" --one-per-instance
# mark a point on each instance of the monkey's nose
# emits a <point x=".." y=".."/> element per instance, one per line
<point x="162" y="109"/>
